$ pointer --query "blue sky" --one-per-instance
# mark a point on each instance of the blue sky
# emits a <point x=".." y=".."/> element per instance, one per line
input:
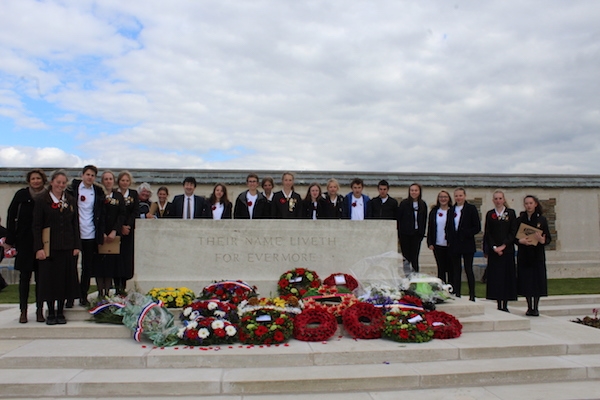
<point x="400" y="86"/>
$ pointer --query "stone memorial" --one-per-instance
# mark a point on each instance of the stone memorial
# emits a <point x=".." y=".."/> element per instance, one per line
<point x="195" y="253"/>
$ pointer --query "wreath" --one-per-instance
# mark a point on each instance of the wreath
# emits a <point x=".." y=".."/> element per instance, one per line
<point x="341" y="279"/>
<point x="173" y="297"/>
<point x="297" y="282"/>
<point x="407" y="326"/>
<point x="328" y="297"/>
<point x="363" y="321"/>
<point x="207" y="332"/>
<point x="209" y="308"/>
<point x="314" y="325"/>
<point x="445" y="326"/>
<point x="265" y="326"/>
<point x="289" y="305"/>
<point x="232" y="291"/>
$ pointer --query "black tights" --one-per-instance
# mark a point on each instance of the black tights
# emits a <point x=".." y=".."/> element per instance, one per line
<point x="533" y="302"/>
<point x="104" y="285"/>
<point x="60" y="307"/>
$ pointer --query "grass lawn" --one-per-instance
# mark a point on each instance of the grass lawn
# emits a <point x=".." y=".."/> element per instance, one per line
<point x="556" y="287"/>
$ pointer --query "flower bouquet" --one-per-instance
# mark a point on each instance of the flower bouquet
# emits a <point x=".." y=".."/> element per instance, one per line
<point x="209" y="308"/>
<point x="103" y="309"/>
<point x="265" y="326"/>
<point x="231" y="291"/>
<point x="445" y="326"/>
<point x="147" y="318"/>
<point x="363" y="321"/>
<point x="208" y="331"/>
<point x="315" y="324"/>
<point x="429" y="288"/>
<point x="407" y="326"/>
<point x="173" y="297"/>
<point x="297" y="281"/>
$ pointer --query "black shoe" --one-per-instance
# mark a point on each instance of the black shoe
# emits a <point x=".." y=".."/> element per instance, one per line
<point x="535" y="313"/>
<point x="69" y="303"/>
<point x="472" y="299"/>
<point x="61" y="320"/>
<point x="84" y="303"/>
<point x="529" y="312"/>
<point x="51" y="320"/>
<point x="505" y="309"/>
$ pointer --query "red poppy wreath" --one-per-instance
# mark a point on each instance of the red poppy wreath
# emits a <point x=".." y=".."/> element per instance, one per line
<point x="363" y="321"/>
<point x="445" y="326"/>
<point x="341" y="279"/>
<point x="314" y="325"/>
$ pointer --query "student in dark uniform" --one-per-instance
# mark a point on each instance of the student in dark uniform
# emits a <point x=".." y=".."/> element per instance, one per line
<point x="334" y="202"/>
<point x="251" y="204"/>
<point x="286" y="203"/>
<point x="412" y="220"/>
<point x="382" y="206"/>
<point x="436" y="236"/>
<point x="219" y="206"/>
<point x="314" y="205"/>
<point x="125" y="271"/>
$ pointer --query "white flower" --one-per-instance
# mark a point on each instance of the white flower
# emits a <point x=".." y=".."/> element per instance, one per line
<point x="192" y="325"/>
<point x="194" y="315"/>
<point x="217" y="324"/>
<point x="187" y="311"/>
<point x="230" y="330"/>
<point x="203" y="333"/>
<point x="180" y="333"/>
<point x="219" y="314"/>
<point x="212" y="305"/>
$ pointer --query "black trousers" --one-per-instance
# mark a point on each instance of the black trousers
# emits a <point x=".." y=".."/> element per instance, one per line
<point x="410" y="245"/>
<point x="444" y="263"/>
<point x="457" y="267"/>
<point x="88" y="252"/>
<point x="24" y="281"/>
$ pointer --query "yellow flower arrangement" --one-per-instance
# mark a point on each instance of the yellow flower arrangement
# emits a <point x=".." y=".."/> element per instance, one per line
<point x="173" y="297"/>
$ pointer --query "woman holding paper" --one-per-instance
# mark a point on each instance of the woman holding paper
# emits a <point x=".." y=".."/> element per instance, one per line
<point x="111" y="222"/>
<point x="56" y="211"/>
<point x="499" y="248"/>
<point x="531" y="259"/>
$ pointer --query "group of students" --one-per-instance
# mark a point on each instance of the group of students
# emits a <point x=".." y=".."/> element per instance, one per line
<point x="83" y="215"/>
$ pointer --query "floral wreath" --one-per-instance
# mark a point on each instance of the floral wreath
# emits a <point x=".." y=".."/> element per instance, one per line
<point x="314" y="325"/>
<point x="363" y="321"/>
<point x="445" y="326"/>
<point x="328" y="297"/>
<point x="406" y="303"/>
<point x="407" y="326"/>
<point x="289" y="305"/>
<point x="208" y="331"/>
<point x="173" y="297"/>
<point x="232" y="291"/>
<point x="265" y="326"/>
<point x="209" y="308"/>
<point x="348" y="280"/>
<point x="297" y="282"/>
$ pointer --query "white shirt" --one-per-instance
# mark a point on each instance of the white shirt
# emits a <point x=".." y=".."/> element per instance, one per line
<point x="217" y="211"/>
<point x="440" y="234"/>
<point x="251" y="202"/>
<point x="86" y="212"/>
<point x="457" y="214"/>
<point x="357" y="209"/>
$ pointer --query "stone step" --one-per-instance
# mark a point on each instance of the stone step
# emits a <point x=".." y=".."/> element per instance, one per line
<point x="567" y="300"/>
<point x="296" y="379"/>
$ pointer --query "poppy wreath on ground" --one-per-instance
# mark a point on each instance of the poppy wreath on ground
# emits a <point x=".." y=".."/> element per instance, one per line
<point x="314" y="325"/>
<point x="232" y="291"/>
<point x="209" y="308"/>
<point x="265" y="326"/>
<point x="297" y="282"/>
<point x="341" y="279"/>
<point x="208" y="331"/>
<point x="334" y="303"/>
<point x="445" y="326"/>
<point x="407" y="326"/>
<point x="363" y="321"/>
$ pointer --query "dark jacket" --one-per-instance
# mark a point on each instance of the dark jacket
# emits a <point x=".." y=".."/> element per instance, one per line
<point x="376" y="209"/>
<point x="62" y="221"/>
<point x="334" y="211"/>
<point x="462" y="241"/>
<point x="200" y="205"/>
<point x="348" y="205"/>
<point x="20" y="233"/>
<point x="73" y="190"/>
<point x="432" y="226"/>
<point x="406" y="218"/>
<point x="282" y="208"/>
<point x="227" y="207"/>
<point x="261" y="208"/>
<point x="308" y="207"/>
<point x="113" y="214"/>
<point x="500" y="230"/>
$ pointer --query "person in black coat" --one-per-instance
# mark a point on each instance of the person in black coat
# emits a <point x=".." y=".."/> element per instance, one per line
<point x="111" y="224"/>
<point x="412" y="221"/>
<point x="499" y="248"/>
<point x="314" y="205"/>
<point x="188" y="205"/>
<point x="382" y="206"/>
<point x="286" y="204"/>
<point x="90" y="198"/>
<point x="20" y="236"/>
<point x="268" y="184"/>
<point x="462" y="226"/>
<point x="219" y="206"/>
<point x="125" y="268"/>
<point x="531" y="259"/>
<point x="251" y="204"/>
<point x="436" y="236"/>
<point x="57" y="210"/>
<point x="334" y="202"/>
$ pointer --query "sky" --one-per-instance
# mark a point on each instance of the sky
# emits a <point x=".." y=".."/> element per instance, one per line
<point x="499" y="86"/>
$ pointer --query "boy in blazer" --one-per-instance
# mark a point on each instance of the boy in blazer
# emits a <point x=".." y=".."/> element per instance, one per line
<point x="188" y="205"/>
<point x="355" y="202"/>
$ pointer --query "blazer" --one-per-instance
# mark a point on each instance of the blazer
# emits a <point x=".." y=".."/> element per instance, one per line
<point x="282" y="208"/>
<point x="308" y="207"/>
<point x="19" y="225"/>
<point x="132" y="207"/>
<point x="406" y="218"/>
<point x="155" y="210"/>
<point x="63" y="223"/>
<point x="499" y="231"/>
<point x="113" y="213"/>
<point x="334" y="211"/>
<point x="348" y="205"/>
<point x="99" y="196"/>
<point x="261" y="209"/>
<point x="226" y="211"/>
<point x="376" y="209"/>
<point x="199" y="207"/>
<point x="432" y="226"/>
<point x="462" y="240"/>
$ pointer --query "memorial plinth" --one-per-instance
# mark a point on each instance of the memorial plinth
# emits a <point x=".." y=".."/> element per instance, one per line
<point x="195" y="253"/>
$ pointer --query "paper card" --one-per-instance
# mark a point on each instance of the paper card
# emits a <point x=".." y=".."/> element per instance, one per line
<point x="263" y="318"/>
<point x="339" y="280"/>
<point x="113" y="247"/>
<point x="416" y="319"/>
<point x="296" y="279"/>
<point x="529" y="232"/>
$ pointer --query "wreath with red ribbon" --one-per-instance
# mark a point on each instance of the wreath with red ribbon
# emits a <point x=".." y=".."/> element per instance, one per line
<point x="297" y="282"/>
<point x="350" y="284"/>
<point x="407" y="326"/>
<point x="314" y="325"/>
<point x="265" y="326"/>
<point x="232" y="291"/>
<point x="363" y="321"/>
<point x="445" y="326"/>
